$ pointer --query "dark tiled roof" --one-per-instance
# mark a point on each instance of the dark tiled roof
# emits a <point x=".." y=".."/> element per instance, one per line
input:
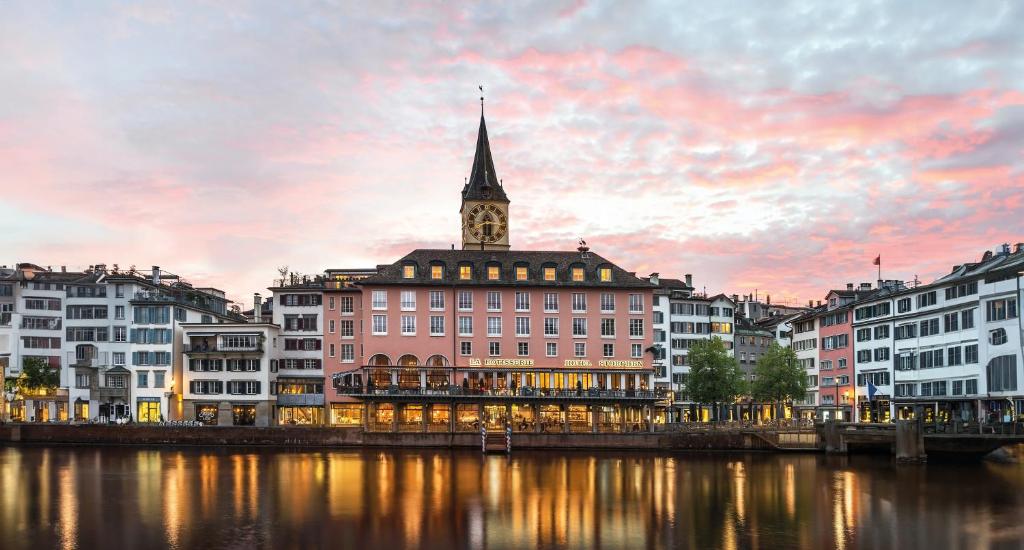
<point x="670" y="284"/>
<point x="483" y="181"/>
<point x="534" y="261"/>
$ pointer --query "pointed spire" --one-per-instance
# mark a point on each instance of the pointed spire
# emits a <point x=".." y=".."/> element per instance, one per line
<point x="483" y="180"/>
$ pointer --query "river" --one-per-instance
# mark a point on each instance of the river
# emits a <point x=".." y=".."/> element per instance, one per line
<point x="124" y="497"/>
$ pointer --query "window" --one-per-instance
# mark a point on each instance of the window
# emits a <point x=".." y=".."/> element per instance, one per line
<point x="1002" y="373"/>
<point x="494" y="348"/>
<point x="436" y="272"/>
<point x="903" y="305"/>
<point x="408" y="272"/>
<point x="380" y="324"/>
<point x="330" y="325"/>
<point x="522" y="273"/>
<point x="346" y="305"/>
<point x="347" y="328"/>
<point x="380" y="299"/>
<point x="465" y="325"/>
<point x="493" y="301"/>
<point x="494" y="326"/>
<point x="967" y="319"/>
<point x="607" y="302"/>
<point x="577" y="274"/>
<point x="437" y="325"/>
<point x="207" y="387"/>
<point x="465" y="300"/>
<point x="659" y="317"/>
<point x="408" y="300"/>
<point x="158" y="379"/>
<point x="550" y="302"/>
<point x="493" y="273"/>
<point x="607" y="327"/>
<point x="522" y="326"/>
<point x="863" y="334"/>
<point x="120" y="334"/>
<point x="870" y="312"/>
<point x="864" y="356"/>
<point x="549" y="274"/>
<point x="971" y="386"/>
<point x="466" y="348"/>
<point x="330" y="351"/>
<point x="331" y="303"/>
<point x="522" y="349"/>
<point x="579" y="302"/>
<point x="436" y="300"/>
<point x="842" y="362"/>
<point x="999" y="310"/>
<point x="118" y="358"/>
<point x="243" y="387"/>
<point x="608" y="350"/>
<point x="926" y="299"/>
<point x="636" y="328"/>
<point x="997" y="337"/>
<point x="971" y="354"/>
<point x="118" y="312"/>
<point x="960" y="291"/>
<point x="605" y="274"/>
<point x="580" y="349"/>
<point x="550" y="326"/>
<point x="465" y="272"/>
<point x="579" y="327"/>
<point x="522" y="301"/>
<point x="348" y="352"/>
<point x="929" y="327"/>
<point x="881" y="332"/>
<point x="958" y="385"/>
<point x="636" y="351"/>
<point x="142" y="379"/>
<point x="951" y="322"/>
<point x="636" y="303"/>
<point x="954" y="356"/>
<point x="904" y="332"/>
<point x="881" y="354"/>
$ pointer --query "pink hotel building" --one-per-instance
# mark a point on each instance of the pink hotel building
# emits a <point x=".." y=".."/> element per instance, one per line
<point x="452" y="340"/>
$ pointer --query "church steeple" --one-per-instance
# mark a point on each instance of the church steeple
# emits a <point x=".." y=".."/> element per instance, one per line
<point x="484" y="208"/>
<point x="483" y="181"/>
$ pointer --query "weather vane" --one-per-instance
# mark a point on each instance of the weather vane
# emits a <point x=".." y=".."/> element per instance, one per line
<point x="481" y="98"/>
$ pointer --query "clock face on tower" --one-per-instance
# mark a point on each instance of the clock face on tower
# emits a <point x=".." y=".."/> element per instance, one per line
<point x="486" y="223"/>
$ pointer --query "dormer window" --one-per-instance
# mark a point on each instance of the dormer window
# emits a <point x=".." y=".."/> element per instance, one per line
<point x="465" y="272"/>
<point x="493" y="273"/>
<point x="522" y="273"/>
<point x="408" y="271"/>
<point x="436" y="272"/>
<point x="605" y="274"/>
<point x="549" y="274"/>
<point x="577" y="274"/>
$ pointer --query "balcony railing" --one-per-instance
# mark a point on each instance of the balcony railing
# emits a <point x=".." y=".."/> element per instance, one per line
<point x="206" y="348"/>
<point x="300" y="399"/>
<point x="527" y="392"/>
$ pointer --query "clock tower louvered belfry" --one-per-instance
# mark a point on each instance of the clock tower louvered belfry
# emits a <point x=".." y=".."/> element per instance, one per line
<point x="484" y="208"/>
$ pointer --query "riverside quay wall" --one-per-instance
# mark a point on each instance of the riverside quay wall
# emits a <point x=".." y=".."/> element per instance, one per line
<point x="305" y="437"/>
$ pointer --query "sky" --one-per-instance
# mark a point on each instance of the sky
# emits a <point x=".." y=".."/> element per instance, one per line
<point x="757" y="145"/>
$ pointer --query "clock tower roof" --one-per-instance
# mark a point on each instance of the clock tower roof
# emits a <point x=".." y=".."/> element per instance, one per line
<point x="483" y="183"/>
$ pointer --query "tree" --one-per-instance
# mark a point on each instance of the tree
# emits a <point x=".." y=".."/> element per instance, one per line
<point x="778" y="377"/>
<point x="283" y="272"/>
<point x="36" y="375"/>
<point x="715" y="377"/>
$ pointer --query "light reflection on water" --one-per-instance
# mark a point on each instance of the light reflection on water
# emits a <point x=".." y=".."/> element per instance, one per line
<point x="183" y="498"/>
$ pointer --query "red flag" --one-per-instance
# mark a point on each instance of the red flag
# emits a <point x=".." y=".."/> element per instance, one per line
<point x="878" y="260"/>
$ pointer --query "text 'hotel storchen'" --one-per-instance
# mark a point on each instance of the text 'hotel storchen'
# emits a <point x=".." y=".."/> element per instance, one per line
<point x="494" y="337"/>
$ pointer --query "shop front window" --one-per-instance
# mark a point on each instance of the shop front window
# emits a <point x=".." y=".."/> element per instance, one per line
<point x="243" y="415"/>
<point x="207" y="414"/>
<point x="82" y="411"/>
<point x="148" y="411"/>
<point x="300" y="416"/>
<point x="344" y="414"/>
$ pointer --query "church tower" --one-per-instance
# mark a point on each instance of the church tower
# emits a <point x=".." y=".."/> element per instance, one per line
<point x="484" y="208"/>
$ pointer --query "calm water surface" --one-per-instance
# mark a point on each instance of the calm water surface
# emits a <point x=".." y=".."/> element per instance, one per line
<point x="115" y="498"/>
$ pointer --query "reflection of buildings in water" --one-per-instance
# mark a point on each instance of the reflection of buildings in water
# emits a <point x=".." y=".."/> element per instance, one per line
<point x="67" y="500"/>
<point x="174" y="493"/>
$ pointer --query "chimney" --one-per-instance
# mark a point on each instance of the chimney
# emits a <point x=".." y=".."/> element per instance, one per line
<point x="849" y="286"/>
<point x="1005" y="249"/>
<point x="735" y="298"/>
<point x="63" y="269"/>
<point x="156" y="275"/>
<point x="810" y="303"/>
<point x="689" y="280"/>
<point x="819" y="303"/>
<point x="257" y="308"/>
<point x="654" y="278"/>
<point x="865" y="286"/>
<point x="769" y="300"/>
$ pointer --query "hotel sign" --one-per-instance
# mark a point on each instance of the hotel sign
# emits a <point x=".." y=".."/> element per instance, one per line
<point x="500" y="362"/>
<point x="616" y="363"/>
<point x="521" y="362"/>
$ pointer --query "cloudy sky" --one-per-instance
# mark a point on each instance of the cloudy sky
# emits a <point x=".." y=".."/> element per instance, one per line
<point x="766" y="146"/>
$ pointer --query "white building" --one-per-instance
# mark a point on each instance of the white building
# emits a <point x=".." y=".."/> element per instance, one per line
<point x="298" y="310"/>
<point x="681" y="318"/>
<point x="805" y="344"/>
<point x="230" y="373"/>
<point x="947" y="350"/>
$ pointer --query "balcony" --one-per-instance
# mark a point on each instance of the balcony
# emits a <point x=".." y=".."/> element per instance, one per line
<point x="207" y="348"/>
<point x="110" y="392"/>
<point x="93" y="360"/>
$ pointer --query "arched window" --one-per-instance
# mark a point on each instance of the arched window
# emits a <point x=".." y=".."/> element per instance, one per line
<point x="437" y="361"/>
<point x="380" y="360"/>
<point x="408" y="360"/>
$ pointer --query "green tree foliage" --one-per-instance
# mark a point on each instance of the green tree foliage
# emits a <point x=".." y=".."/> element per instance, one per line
<point x="715" y="377"/>
<point x="778" y="376"/>
<point x="37" y="375"/>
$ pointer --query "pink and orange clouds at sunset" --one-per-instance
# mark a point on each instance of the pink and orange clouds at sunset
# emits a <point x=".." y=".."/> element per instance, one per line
<point x="757" y="145"/>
